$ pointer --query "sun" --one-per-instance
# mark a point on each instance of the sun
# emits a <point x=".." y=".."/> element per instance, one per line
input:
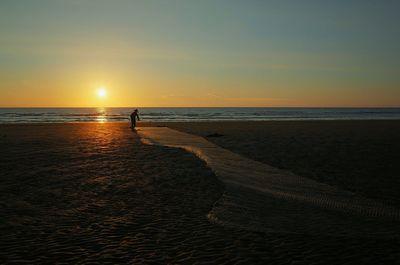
<point x="101" y="92"/>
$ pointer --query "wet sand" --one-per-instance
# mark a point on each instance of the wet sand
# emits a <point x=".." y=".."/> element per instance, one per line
<point x="83" y="193"/>
<point x="359" y="156"/>
<point x="333" y="211"/>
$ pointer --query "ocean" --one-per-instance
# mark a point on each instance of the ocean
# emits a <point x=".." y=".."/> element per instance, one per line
<point x="61" y="115"/>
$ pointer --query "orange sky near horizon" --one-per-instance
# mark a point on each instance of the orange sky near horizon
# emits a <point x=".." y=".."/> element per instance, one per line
<point x="141" y="92"/>
<point x="114" y="98"/>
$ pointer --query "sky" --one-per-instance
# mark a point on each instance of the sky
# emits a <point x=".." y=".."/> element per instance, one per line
<point x="183" y="53"/>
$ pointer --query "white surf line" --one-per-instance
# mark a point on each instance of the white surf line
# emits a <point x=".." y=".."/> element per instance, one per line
<point x="235" y="169"/>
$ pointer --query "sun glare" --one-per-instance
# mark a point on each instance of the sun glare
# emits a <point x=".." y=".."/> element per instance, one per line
<point x="101" y="92"/>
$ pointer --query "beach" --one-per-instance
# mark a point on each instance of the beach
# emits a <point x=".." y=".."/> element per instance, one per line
<point x="95" y="193"/>
<point x="361" y="156"/>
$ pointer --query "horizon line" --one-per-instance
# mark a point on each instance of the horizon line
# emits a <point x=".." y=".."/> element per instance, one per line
<point x="272" y="107"/>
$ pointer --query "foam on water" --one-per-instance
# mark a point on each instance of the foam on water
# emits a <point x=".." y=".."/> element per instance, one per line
<point x="53" y="115"/>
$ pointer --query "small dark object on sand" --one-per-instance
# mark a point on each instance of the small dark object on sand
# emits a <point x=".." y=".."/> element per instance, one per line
<point x="215" y="135"/>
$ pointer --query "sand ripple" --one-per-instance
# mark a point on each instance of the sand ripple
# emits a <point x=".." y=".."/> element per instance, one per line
<point x="254" y="188"/>
<point x="93" y="194"/>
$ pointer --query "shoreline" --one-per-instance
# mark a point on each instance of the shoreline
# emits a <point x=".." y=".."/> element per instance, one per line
<point x="211" y="121"/>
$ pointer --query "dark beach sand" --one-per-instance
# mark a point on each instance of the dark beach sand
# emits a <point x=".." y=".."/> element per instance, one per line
<point x="83" y="193"/>
<point x="360" y="156"/>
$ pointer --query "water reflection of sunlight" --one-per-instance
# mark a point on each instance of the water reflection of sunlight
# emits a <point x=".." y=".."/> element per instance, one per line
<point x="101" y="119"/>
<point x="101" y="115"/>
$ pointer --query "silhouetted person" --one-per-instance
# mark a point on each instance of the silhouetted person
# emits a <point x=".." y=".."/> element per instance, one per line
<point x="134" y="115"/>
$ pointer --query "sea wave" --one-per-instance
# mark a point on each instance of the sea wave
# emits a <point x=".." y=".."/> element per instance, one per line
<point x="37" y="115"/>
